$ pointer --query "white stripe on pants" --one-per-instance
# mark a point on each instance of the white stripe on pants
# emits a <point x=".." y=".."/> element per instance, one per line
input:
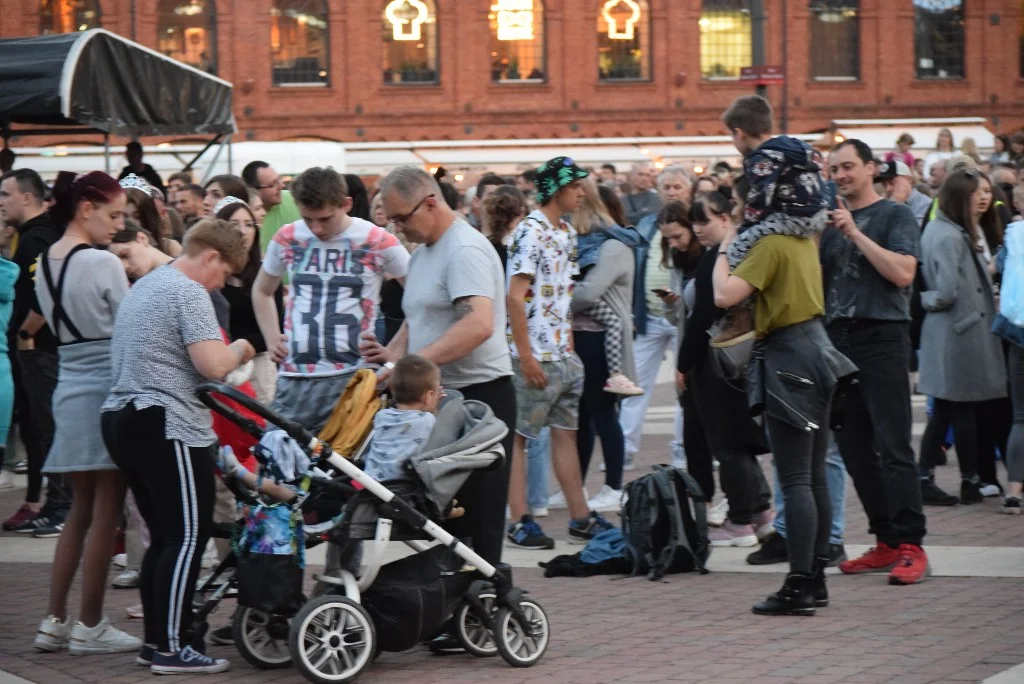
<point x="649" y="351"/>
<point x="190" y="518"/>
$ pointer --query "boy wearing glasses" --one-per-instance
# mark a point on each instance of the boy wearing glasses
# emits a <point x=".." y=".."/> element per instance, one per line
<point x="336" y="265"/>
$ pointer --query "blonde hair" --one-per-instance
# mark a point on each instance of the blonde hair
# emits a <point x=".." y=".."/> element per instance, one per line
<point x="220" y="236"/>
<point x="592" y="213"/>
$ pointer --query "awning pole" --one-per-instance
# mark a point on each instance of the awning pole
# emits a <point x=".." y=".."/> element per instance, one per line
<point x="188" y="167"/>
<point x="231" y="159"/>
<point x="106" y="152"/>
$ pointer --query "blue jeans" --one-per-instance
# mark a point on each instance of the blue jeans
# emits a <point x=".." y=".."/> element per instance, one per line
<point x="835" y="474"/>
<point x="538" y="460"/>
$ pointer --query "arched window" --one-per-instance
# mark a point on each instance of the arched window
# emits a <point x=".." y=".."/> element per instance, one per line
<point x="517" y="41"/>
<point x="410" y="41"/>
<point x="68" y="16"/>
<point x="187" y="31"/>
<point x="939" y="38"/>
<point x="726" y="44"/>
<point x="835" y="40"/>
<point x="298" y="39"/>
<point x="623" y="40"/>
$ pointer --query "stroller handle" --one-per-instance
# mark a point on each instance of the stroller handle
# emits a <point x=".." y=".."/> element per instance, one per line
<point x="206" y="393"/>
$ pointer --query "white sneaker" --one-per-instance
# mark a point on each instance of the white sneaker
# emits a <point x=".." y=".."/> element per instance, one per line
<point x="557" y="500"/>
<point x="7" y="481"/>
<point x="541" y="512"/>
<point x="718" y="513"/>
<point x="607" y="499"/>
<point x="121" y="560"/>
<point x="52" y="635"/>
<point x="986" y="490"/>
<point x="103" y="638"/>
<point x="129" y="579"/>
<point x="620" y="384"/>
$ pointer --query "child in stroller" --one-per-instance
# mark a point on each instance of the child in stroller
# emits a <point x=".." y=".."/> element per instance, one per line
<point x="333" y="637"/>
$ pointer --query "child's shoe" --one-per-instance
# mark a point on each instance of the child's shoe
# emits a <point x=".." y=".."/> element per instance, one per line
<point x="618" y="383"/>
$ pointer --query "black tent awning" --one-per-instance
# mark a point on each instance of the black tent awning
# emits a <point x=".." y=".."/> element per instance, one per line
<point x="102" y="81"/>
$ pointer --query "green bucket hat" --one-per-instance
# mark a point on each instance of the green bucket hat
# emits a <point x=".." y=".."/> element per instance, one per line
<point x="554" y="175"/>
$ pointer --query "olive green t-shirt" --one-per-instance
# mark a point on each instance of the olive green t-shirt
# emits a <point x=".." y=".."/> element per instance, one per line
<point x="787" y="275"/>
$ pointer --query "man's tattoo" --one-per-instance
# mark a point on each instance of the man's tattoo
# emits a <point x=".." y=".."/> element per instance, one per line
<point x="463" y="307"/>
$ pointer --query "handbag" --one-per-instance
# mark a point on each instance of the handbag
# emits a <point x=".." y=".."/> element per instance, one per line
<point x="271" y="555"/>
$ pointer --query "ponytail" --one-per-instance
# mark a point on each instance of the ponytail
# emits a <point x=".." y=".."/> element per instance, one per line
<point x="70" y="189"/>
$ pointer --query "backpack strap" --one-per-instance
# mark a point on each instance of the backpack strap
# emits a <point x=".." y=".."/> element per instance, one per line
<point x="60" y="316"/>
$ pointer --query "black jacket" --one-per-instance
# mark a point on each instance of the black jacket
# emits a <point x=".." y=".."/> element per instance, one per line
<point x="34" y="238"/>
<point x="693" y="349"/>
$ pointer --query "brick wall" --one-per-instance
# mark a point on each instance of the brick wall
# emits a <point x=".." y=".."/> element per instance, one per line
<point x="467" y="105"/>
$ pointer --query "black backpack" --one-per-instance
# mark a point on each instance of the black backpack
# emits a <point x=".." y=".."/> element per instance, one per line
<point x="665" y="524"/>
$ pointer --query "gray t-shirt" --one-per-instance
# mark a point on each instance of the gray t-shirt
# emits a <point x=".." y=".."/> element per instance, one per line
<point x="461" y="264"/>
<point x="94" y="286"/>
<point x="853" y="288"/>
<point x="165" y="312"/>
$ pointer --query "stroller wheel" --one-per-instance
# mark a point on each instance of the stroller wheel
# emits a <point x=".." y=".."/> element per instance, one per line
<point x="332" y="640"/>
<point x="515" y="647"/>
<point x="473" y="634"/>
<point x="261" y="638"/>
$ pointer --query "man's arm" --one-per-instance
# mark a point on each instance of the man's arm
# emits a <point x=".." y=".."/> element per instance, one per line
<point x="32" y="324"/>
<point x="265" y="308"/>
<point x="518" y="286"/>
<point x="474" y="326"/>
<point x="898" y="269"/>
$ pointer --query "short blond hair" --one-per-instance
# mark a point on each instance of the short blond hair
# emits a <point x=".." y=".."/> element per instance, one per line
<point x="220" y="236"/>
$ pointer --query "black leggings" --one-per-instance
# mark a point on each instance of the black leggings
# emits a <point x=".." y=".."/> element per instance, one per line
<point x="699" y="461"/>
<point x="964" y="417"/>
<point x="598" y="411"/>
<point x="174" y="489"/>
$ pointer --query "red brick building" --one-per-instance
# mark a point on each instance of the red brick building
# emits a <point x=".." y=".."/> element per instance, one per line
<point x="391" y="70"/>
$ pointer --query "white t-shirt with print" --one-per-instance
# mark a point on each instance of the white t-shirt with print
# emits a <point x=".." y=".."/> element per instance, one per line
<point x="334" y="291"/>
<point x="547" y="254"/>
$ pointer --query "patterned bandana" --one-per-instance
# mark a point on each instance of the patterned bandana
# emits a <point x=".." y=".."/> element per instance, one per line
<point x="555" y="175"/>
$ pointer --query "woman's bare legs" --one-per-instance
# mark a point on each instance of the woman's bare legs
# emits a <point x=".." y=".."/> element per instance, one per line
<point x="71" y="542"/>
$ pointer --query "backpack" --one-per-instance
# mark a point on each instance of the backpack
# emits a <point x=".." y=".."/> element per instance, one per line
<point x="1011" y="291"/>
<point x="665" y="525"/>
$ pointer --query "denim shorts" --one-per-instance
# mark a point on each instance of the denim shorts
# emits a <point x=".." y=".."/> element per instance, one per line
<point x="557" y="405"/>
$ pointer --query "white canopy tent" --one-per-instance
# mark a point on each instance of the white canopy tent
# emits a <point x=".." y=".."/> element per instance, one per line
<point x="881" y="134"/>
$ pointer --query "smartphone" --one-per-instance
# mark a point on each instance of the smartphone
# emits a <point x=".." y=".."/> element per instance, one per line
<point x="661" y="292"/>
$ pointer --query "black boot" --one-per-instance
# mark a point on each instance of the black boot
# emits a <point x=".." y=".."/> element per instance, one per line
<point x="970" y="492"/>
<point x="794" y="598"/>
<point x="932" y="495"/>
<point x="818" y="588"/>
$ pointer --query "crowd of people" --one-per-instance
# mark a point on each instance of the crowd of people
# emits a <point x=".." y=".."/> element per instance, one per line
<point x="553" y="297"/>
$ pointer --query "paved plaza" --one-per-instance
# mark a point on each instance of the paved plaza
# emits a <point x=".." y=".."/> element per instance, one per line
<point x="963" y="625"/>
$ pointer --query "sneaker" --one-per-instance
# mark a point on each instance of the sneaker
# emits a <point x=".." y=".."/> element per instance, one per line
<point x="620" y="384"/>
<point x="187" y="661"/>
<point x="970" y="493"/>
<point x="932" y="495"/>
<point x="731" y="534"/>
<point x="52" y="635"/>
<point x="24" y="515"/>
<point x="222" y="636"/>
<point x="988" y="490"/>
<point x="103" y="638"/>
<point x="129" y="579"/>
<point x="49" y="528"/>
<point x="913" y="566"/>
<point x="607" y="499"/>
<point x="7" y="481"/>
<point x="773" y="550"/>
<point x="121" y="560"/>
<point x="836" y="554"/>
<point x="557" y="500"/>
<point x="1011" y="505"/>
<point x="881" y="558"/>
<point x="21" y="468"/>
<point x="582" y="531"/>
<point x="541" y="512"/>
<point x="145" y="657"/>
<point x="527" y="534"/>
<point x="134" y="612"/>
<point x="45" y="520"/>
<point x="718" y="513"/>
<point x="763" y="523"/>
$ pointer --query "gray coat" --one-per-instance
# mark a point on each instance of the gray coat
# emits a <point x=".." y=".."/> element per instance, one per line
<point x="611" y="279"/>
<point x="961" y="360"/>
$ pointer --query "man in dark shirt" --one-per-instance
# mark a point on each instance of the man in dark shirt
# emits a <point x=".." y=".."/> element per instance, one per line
<point x="644" y="200"/>
<point x="869" y="259"/>
<point x="133" y="152"/>
<point x="34" y="364"/>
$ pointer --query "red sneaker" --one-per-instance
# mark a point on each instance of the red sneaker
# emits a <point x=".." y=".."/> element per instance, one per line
<point x="913" y="567"/>
<point x="23" y="515"/>
<point x="881" y="558"/>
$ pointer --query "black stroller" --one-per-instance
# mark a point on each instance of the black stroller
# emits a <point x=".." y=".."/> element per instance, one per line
<point x="359" y="612"/>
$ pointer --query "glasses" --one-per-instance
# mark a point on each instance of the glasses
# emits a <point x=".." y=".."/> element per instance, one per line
<point x="276" y="183"/>
<point x="402" y="219"/>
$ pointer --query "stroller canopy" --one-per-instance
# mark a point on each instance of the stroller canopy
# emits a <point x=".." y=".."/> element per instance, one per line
<point x="466" y="437"/>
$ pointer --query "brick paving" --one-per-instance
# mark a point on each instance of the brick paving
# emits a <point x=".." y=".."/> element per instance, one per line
<point x="689" y="629"/>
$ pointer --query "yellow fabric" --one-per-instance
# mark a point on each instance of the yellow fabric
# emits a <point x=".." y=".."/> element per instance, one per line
<point x="352" y="417"/>
<point x="786" y="272"/>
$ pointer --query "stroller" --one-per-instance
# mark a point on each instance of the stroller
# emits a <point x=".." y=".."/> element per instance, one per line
<point x="360" y="612"/>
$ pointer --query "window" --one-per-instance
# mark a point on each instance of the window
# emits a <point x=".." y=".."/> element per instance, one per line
<point x="410" y="42"/>
<point x="517" y="41"/>
<point x="68" y="16"/>
<point x="187" y="31"/>
<point x="298" y="38"/>
<point x="939" y="38"/>
<point x="835" y="40"/>
<point x="623" y="40"/>
<point x="725" y="38"/>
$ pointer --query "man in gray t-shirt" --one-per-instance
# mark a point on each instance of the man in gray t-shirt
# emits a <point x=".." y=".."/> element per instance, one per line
<point x="454" y="306"/>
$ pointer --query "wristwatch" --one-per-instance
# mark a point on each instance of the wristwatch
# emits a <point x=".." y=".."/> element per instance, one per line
<point x="25" y="335"/>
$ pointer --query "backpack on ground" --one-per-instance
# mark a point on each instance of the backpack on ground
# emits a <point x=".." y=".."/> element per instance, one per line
<point x="665" y="525"/>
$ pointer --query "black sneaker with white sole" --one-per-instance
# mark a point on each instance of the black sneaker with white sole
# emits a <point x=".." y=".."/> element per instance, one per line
<point x="145" y="657"/>
<point x="1012" y="505"/>
<point x="582" y="531"/>
<point x="527" y="534"/>
<point x="46" y="520"/>
<point x="187" y="661"/>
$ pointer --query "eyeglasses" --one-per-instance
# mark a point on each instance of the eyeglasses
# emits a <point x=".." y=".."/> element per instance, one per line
<point x="276" y="183"/>
<point x="402" y="219"/>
